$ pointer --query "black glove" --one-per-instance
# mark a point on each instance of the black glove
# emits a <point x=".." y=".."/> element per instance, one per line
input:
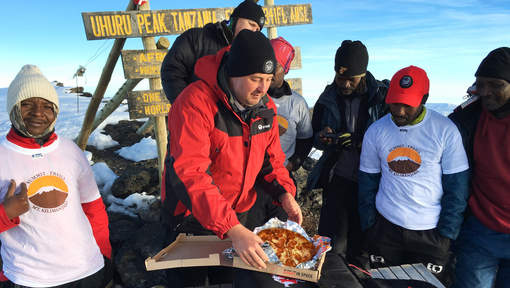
<point x="342" y="141"/>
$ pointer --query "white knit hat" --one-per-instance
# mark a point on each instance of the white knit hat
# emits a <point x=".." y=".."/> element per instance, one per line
<point x="29" y="83"/>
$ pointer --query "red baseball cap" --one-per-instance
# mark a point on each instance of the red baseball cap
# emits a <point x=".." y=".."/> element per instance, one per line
<point x="408" y="86"/>
<point x="283" y="51"/>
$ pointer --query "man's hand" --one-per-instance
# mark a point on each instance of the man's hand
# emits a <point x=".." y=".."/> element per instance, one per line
<point x="16" y="204"/>
<point x="290" y="205"/>
<point x="247" y="246"/>
<point x="344" y="141"/>
<point x="323" y="133"/>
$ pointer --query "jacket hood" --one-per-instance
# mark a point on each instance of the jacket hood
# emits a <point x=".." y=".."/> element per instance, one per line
<point x="207" y="69"/>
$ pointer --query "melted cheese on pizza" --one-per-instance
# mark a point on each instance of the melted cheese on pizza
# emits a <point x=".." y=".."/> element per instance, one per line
<point x="290" y="247"/>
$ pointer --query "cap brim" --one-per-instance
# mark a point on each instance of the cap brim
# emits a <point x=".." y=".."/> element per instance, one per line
<point x="402" y="98"/>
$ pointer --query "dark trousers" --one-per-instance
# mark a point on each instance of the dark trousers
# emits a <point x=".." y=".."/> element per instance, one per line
<point x="339" y="219"/>
<point x="391" y="245"/>
<point x="97" y="280"/>
<point x="263" y="210"/>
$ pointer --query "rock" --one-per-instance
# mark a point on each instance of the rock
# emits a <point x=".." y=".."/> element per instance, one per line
<point x="153" y="214"/>
<point x="76" y="90"/>
<point x="124" y="132"/>
<point x="136" y="179"/>
<point x="129" y="261"/>
<point x="123" y="229"/>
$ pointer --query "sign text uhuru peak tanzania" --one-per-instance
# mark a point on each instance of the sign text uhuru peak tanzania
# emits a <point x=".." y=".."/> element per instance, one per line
<point x="127" y="24"/>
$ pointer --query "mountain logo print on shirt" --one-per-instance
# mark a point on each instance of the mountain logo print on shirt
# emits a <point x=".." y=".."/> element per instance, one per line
<point x="283" y="124"/>
<point x="48" y="193"/>
<point x="404" y="161"/>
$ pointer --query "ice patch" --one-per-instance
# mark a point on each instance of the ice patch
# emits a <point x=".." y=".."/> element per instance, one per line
<point x="101" y="141"/>
<point x="144" y="150"/>
<point x="132" y="205"/>
<point x="104" y="178"/>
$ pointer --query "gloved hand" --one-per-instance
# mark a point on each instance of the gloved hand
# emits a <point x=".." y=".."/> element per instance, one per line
<point x="344" y="141"/>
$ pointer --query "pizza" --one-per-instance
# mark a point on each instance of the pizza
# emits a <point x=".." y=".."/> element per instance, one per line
<point x="290" y="247"/>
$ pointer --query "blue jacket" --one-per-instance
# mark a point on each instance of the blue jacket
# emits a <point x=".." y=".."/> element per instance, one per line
<point x="327" y="112"/>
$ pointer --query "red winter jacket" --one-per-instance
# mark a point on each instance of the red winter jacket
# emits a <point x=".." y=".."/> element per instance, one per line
<point x="214" y="157"/>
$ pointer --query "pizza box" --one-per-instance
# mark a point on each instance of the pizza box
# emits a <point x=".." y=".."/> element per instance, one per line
<point x="193" y="251"/>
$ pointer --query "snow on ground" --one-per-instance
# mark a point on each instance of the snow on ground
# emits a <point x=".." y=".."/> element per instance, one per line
<point x="88" y="155"/>
<point x="101" y="141"/>
<point x="104" y="177"/>
<point x="132" y="205"/>
<point x="144" y="150"/>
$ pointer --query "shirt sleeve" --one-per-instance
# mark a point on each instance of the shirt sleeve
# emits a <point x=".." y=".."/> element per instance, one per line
<point x="369" y="159"/>
<point x="304" y="125"/>
<point x="454" y="158"/>
<point x="5" y="222"/>
<point x="86" y="183"/>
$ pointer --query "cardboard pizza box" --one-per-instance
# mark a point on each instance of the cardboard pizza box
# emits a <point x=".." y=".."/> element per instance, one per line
<point x="193" y="251"/>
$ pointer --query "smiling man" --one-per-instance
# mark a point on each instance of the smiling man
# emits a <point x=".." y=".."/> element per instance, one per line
<point x="483" y="247"/>
<point x="413" y="181"/>
<point x="224" y="135"/>
<point x="178" y="66"/>
<point x="56" y="204"/>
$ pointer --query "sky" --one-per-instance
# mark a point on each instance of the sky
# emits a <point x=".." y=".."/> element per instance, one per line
<point x="447" y="38"/>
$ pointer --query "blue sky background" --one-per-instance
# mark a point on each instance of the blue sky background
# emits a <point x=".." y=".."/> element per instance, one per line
<point x="447" y="38"/>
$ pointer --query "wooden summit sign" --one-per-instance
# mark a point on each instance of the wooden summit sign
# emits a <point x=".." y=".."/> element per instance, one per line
<point x="129" y="24"/>
<point x="147" y="103"/>
<point x="147" y="63"/>
<point x="142" y="63"/>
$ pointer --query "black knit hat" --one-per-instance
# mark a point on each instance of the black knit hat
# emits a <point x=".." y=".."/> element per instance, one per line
<point x="351" y="59"/>
<point x="251" y="52"/>
<point x="496" y="65"/>
<point x="250" y="10"/>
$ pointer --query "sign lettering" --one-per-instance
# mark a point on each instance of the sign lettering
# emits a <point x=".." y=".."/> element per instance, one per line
<point x="129" y="24"/>
<point x="142" y="63"/>
<point x="147" y="103"/>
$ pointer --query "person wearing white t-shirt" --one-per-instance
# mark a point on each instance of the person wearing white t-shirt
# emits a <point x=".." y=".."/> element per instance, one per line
<point x="53" y="223"/>
<point x="413" y="179"/>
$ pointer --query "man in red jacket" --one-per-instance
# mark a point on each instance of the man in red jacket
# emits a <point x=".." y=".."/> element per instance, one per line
<point x="224" y="136"/>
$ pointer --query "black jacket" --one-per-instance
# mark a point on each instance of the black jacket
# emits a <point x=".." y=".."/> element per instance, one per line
<point x="177" y="70"/>
<point x="327" y="112"/>
<point x="466" y="118"/>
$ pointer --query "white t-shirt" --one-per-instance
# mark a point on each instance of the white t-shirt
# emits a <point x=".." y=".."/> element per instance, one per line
<point x="411" y="160"/>
<point x="293" y="120"/>
<point x="54" y="243"/>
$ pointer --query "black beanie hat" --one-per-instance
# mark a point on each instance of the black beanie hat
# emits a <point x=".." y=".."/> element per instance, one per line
<point x="251" y="52"/>
<point x="250" y="10"/>
<point x="351" y="59"/>
<point x="496" y="65"/>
